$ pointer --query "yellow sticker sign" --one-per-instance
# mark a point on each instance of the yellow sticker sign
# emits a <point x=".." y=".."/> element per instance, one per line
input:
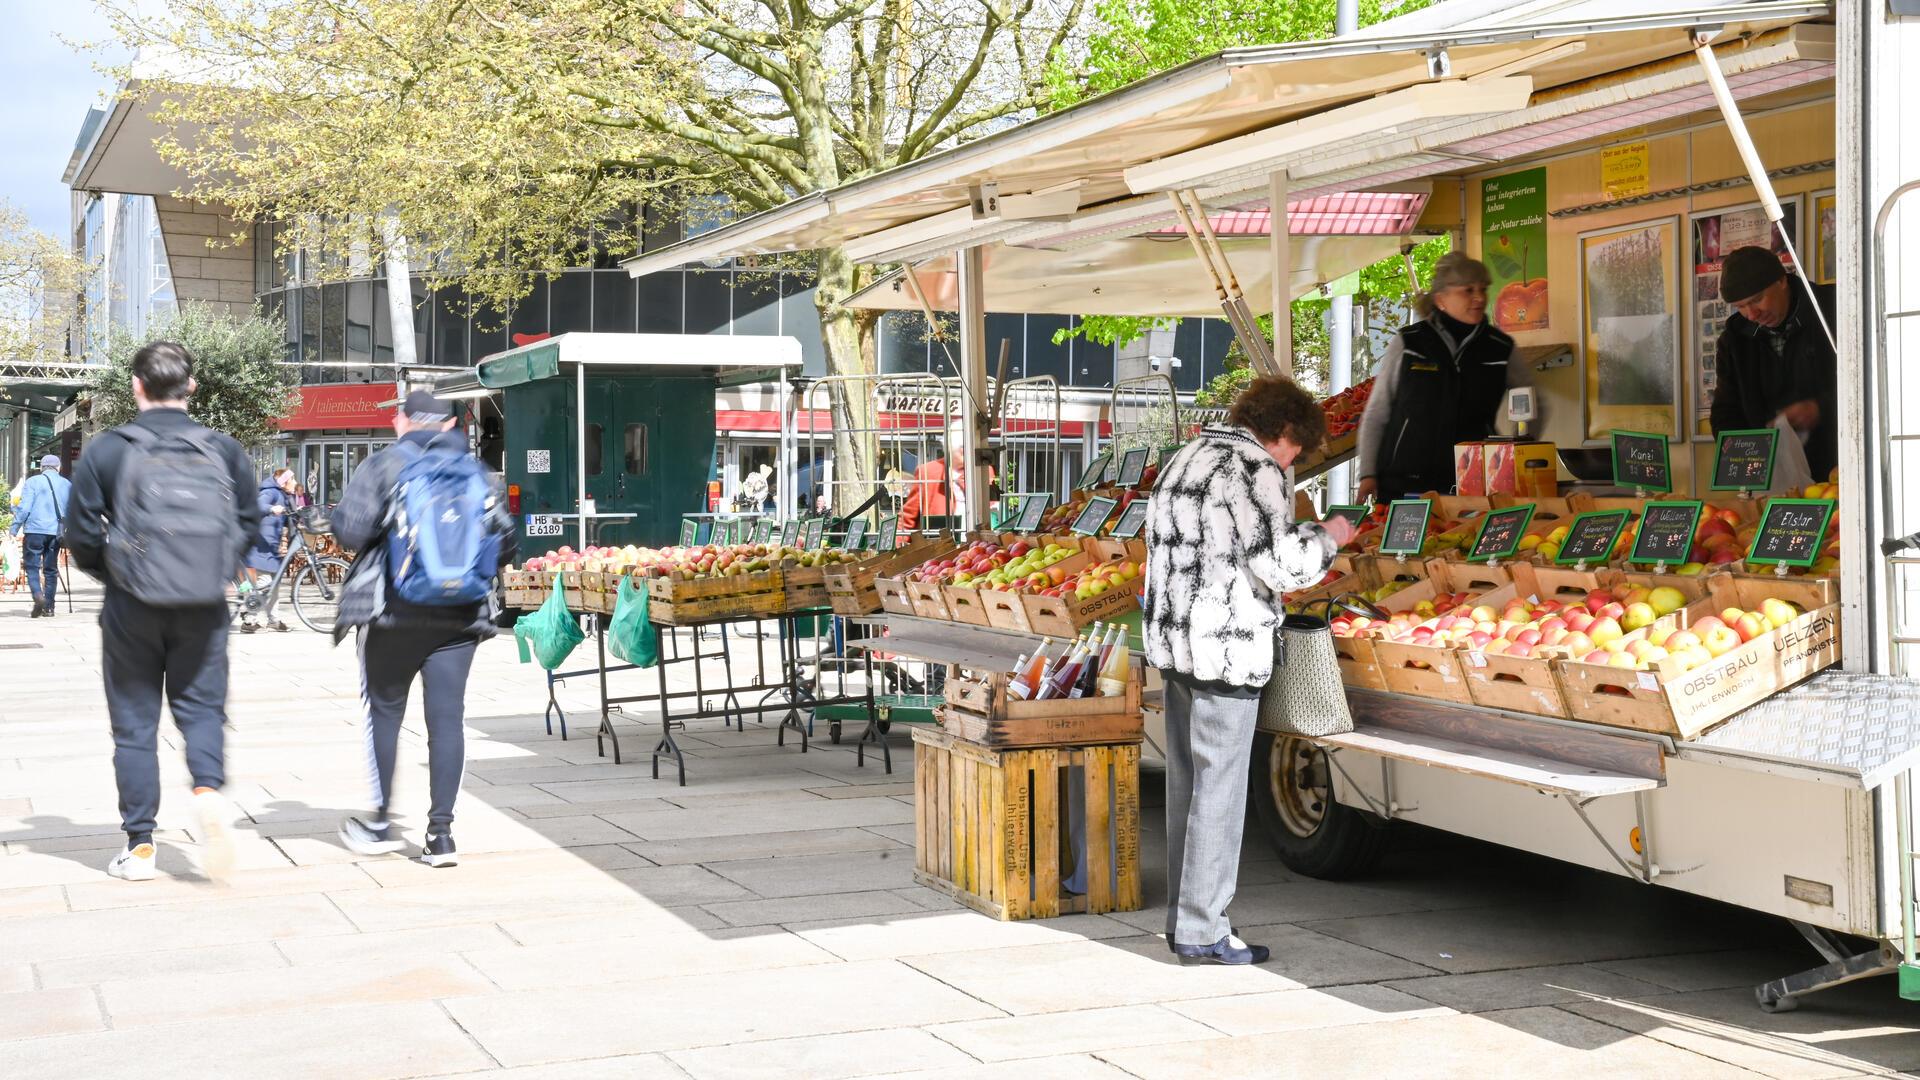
<point x="1624" y="170"/>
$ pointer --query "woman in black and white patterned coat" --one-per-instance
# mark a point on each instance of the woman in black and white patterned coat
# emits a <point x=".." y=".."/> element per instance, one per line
<point x="1221" y="549"/>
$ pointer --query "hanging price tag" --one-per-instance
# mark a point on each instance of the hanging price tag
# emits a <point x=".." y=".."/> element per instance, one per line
<point x="1133" y="465"/>
<point x="1355" y="515"/>
<point x="689" y="532"/>
<point x="763" y="532"/>
<point x="789" y="533"/>
<point x="1097" y="468"/>
<point x="816" y="534"/>
<point x="856" y="534"/>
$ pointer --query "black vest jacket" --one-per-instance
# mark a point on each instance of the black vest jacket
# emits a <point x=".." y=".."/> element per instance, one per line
<point x="1443" y="396"/>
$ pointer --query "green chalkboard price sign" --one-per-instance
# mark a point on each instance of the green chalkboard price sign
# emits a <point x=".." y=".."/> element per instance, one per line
<point x="1032" y="510"/>
<point x="1791" y="532"/>
<point x="1640" y="461"/>
<point x="1132" y="520"/>
<point x="1406" y="529"/>
<point x="689" y="532"/>
<point x="1591" y="537"/>
<point x="1133" y="465"/>
<point x="763" y="532"/>
<point x="1097" y="468"/>
<point x="888" y="538"/>
<point x="1666" y="532"/>
<point x="1743" y="460"/>
<point x="1099" y="508"/>
<point x="816" y="534"/>
<point x="789" y="533"/>
<point x="856" y="534"/>
<point x="1500" y="533"/>
<point x="1355" y="515"/>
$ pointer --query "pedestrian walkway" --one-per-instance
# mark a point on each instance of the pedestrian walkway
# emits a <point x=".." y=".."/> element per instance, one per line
<point x="762" y="922"/>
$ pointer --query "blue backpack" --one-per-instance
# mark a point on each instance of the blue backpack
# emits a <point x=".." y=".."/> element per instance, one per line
<point x="440" y="550"/>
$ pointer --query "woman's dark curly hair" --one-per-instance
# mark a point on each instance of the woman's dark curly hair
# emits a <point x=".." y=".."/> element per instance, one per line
<point x="1273" y="406"/>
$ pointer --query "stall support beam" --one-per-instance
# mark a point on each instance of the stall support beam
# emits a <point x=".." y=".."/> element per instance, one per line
<point x="973" y="382"/>
<point x="1280" y="246"/>
<point x="580" y="446"/>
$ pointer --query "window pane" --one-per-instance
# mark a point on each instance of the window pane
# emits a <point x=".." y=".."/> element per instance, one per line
<point x="636" y="449"/>
<point x="530" y="313"/>
<point x="614" y="306"/>
<point x="359" y="337"/>
<point x="336" y="468"/>
<point x="333" y="328"/>
<point x="382" y="326"/>
<point x="310" y="326"/>
<point x="450" y="326"/>
<point x="709" y="301"/>
<point x="594" y="432"/>
<point x="661" y="302"/>
<point x="572" y="302"/>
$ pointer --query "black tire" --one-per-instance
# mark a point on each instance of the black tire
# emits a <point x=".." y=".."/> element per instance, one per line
<point x="316" y="593"/>
<point x="1291" y="794"/>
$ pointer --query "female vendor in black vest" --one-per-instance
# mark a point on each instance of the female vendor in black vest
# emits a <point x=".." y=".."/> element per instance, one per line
<point x="1442" y="382"/>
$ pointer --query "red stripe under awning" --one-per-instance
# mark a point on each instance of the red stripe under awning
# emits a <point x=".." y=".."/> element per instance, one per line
<point x="817" y="421"/>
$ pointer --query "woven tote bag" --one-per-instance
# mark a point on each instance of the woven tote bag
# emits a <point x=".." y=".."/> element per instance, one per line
<point x="1305" y="695"/>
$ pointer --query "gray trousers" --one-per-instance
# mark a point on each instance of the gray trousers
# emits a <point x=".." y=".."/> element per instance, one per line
<point x="1209" y="743"/>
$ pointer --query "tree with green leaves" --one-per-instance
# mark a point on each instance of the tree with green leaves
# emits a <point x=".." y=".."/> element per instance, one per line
<point x="241" y="386"/>
<point x="40" y="277"/>
<point x="494" y="139"/>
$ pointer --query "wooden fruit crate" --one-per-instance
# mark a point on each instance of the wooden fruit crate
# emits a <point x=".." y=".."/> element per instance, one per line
<point x="526" y="588"/>
<point x="598" y="590"/>
<point x="893" y="595"/>
<point x="1684" y="704"/>
<point x="993" y="831"/>
<point x="806" y="597"/>
<point x="691" y="612"/>
<point x="1005" y="610"/>
<point x="965" y="605"/>
<point x="852" y="588"/>
<point x="1360" y="663"/>
<point x="980" y="710"/>
<point x="929" y="599"/>
<point x="1691" y="586"/>
<point x="680" y="587"/>
<point x="1423" y="670"/>
<point x="1559" y="583"/>
<point x="1518" y="683"/>
<point x="1065" y="616"/>
<point x="1352" y="579"/>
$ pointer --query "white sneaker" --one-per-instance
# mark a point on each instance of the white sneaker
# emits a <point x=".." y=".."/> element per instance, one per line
<point x="216" y="835"/>
<point x="133" y="864"/>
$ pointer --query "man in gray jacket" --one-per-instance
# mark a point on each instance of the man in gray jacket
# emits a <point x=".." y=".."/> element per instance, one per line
<point x="399" y="641"/>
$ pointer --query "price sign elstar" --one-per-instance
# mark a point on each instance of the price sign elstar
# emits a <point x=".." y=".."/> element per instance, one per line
<point x="1591" y="537"/>
<point x="1666" y="532"/>
<point x="1406" y="529"/>
<point x="1791" y="531"/>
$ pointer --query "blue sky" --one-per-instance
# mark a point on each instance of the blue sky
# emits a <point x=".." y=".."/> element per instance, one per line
<point x="45" y="90"/>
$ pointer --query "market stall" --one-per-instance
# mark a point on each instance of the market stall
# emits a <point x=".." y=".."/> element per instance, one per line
<point x="1647" y="632"/>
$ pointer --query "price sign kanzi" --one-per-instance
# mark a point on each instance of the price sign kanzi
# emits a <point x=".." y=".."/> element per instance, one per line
<point x="789" y="533"/>
<point x="1791" y="531"/>
<point x="1095" y="515"/>
<point x="1032" y="509"/>
<point x="1640" y="461"/>
<point x="1095" y="469"/>
<point x="888" y="537"/>
<point x="1406" y="529"/>
<point x="816" y="534"/>
<point x="1591" y="537"/>
<point x="689" y="532"/>
<point x="1666" y="532"/>
<point x="763" y="532"/>
<point x="856" y="534"/>
<point x="1501" y="532"/>
<point x="1743" y="460"/>
<point x="1355" y="515"/>
<point x="1132" y="520"/>
<point x="1133" y="465"/>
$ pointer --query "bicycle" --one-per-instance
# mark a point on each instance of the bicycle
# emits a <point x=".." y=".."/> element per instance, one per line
<point x="317" y="579"/>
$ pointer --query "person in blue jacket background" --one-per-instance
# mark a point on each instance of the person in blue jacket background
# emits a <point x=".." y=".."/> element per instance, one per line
<point x="43" y="509"/>
<point x="263" y="558"/>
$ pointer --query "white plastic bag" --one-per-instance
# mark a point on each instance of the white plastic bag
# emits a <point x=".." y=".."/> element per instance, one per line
<point x="1790" y="469"/>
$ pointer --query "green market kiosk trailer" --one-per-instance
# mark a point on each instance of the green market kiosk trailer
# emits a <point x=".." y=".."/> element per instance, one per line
<point x="609" y="438"/>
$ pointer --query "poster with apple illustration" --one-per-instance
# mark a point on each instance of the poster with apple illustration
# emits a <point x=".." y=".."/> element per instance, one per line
<point x="1513" y="244"/>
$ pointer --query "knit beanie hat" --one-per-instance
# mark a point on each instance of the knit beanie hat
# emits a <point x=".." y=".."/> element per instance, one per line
<point x="1745" y="271"/>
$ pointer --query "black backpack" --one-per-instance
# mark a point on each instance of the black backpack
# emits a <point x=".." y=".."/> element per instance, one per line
<point x="174" y="537"/>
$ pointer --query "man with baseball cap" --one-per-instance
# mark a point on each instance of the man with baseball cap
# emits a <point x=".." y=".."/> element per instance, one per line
<point x="401" y="640"/>
<point x="1774" y="360"/>
<point x="43" y="509"/>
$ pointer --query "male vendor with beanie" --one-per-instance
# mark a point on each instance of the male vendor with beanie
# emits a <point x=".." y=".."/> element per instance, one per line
<point x="1774" y="359"/>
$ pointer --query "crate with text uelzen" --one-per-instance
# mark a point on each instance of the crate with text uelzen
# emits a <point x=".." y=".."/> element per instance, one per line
<point x="1751" y="637"/>
<point x="1441" y="588"/>
<point x="980" y="708"/>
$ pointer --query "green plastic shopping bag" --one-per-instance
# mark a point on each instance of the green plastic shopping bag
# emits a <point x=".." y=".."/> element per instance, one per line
<point x="549" y="634"/>
<point x="631" y="635"/>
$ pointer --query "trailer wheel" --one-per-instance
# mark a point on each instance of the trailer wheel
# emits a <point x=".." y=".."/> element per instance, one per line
<point x="1292" y="794"/>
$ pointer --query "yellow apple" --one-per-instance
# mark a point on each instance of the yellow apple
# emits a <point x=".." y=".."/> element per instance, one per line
<point x="1666" y="599"/>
